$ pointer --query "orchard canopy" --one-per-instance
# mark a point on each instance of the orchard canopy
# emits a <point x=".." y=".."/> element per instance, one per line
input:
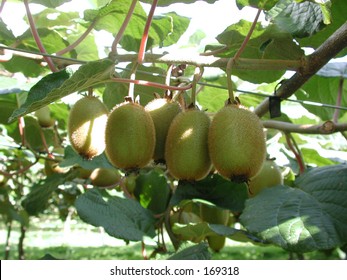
<point x="284" y="60"/>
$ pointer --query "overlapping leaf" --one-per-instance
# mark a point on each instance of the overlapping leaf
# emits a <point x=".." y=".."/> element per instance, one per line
<point x="60" y="84"/>
<point x="312" y="216"/>
<point x="215" y="189"/>
<point x="121" y="218"/>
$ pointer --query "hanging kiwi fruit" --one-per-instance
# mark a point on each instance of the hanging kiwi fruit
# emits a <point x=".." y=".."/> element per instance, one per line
<point x="130" y="136"/>
<point x="186" y="149"/>
<point x="105" y="177"/>
<point x="162" y="110"/>
<point x="86" y="126"/>
<point x="236" y="143"/>
<point x="269" y="176"/>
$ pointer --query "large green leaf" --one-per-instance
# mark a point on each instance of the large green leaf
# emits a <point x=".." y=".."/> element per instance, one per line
<point x="50" y="3"/>
<point x="169" y="2"/>
<point x="121" y="218"/>
<point x="312" y="216"/>
<point x="60" y="84"/>
<point x="153" y="191"/>
<point x="53" y="18"/>
<point x="71" y="158"/>
<point x="299" y="19"/>
<point x="338" y="16"/>
<point x="199" y="231"/>
<point x="37" y="199"/>
<point x="214" y="188"/>
<point x="260" y="4"/>
<point x="265" y="43"/>
<point x="195" y="252"/>
<point x="165" y="29"/>
<point x="115" y="92"/>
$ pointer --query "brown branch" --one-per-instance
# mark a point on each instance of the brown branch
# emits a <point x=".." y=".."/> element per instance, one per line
<point x="327" y="127"/>
<point x="329" y="49"/>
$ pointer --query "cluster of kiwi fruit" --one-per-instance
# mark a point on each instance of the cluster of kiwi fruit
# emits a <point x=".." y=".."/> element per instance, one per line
<point x="186" y="139"/>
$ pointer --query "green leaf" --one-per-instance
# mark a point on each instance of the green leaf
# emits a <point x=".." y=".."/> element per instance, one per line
<point x="260" y="4"/>
<point x="169" y="2"/>
<point x="299" y="19"/>
<point x="265" y="43"/>
<point x="115" y="92"/>
<point x="5" y="33"/>
<point x="213" y="99"/>
<point x="50" y="3"/>
<point x="71" y="158"/>
<point x="312" y="156"/>
<point x="8" y="104"/>
<point x="53" y="18"/>
<point x="312" y="216"/>
<point x="153" y="191"/>
<point x="215" y="189"/>
<point x="195" y="252"/>
<point x="338" y="15"/>
<point x="121" y="218"/>
<point x="165" y="29"/>
<point x="37" y="199"/>
<point x="60" y="84"/>
<point x="322" y="90"/>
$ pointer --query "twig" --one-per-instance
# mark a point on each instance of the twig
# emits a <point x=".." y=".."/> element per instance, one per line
<point x="327" y="127"/>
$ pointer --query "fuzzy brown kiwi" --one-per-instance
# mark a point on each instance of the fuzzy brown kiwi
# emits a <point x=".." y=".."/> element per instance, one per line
<point x="186" y="149"/>
<point x="215" y="215"/>
<point x="130" y="136"/>
<point x="105" y="177"/>
<point x="162" y="111"/>
<point x="86" y="126"/>
<point x="44" y="117"/>
<point x="268" y="176"/>
<point x="236" y="143"/>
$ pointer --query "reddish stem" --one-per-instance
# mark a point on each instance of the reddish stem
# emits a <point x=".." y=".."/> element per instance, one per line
<point x="338" y="101"/>
<point x="123" y="27"/>
<point x="78" y="41"/>
<point x="296" y="152"/>
<point x="2" y="5"/>
<point x="144" y="39"/>
<point x="37" y="37"/>
<point x="248" y="37"/>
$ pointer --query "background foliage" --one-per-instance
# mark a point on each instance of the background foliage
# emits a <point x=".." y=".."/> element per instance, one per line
<point x="306" y="213"/>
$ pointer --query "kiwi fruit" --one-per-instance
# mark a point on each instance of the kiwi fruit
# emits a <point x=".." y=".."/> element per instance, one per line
<point x="52" y="166"/>
<point x="237" y="143"/>
<point x="86" y="127"/>
<point x="130" y="136"/>
<point x="186" y="149"/>
<point x="162" y="111"/>
<point x="105" y="177"/>
<point x="268" y="176"/>
<point x="215" y="215"/>
<point x="43" y="116"/>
